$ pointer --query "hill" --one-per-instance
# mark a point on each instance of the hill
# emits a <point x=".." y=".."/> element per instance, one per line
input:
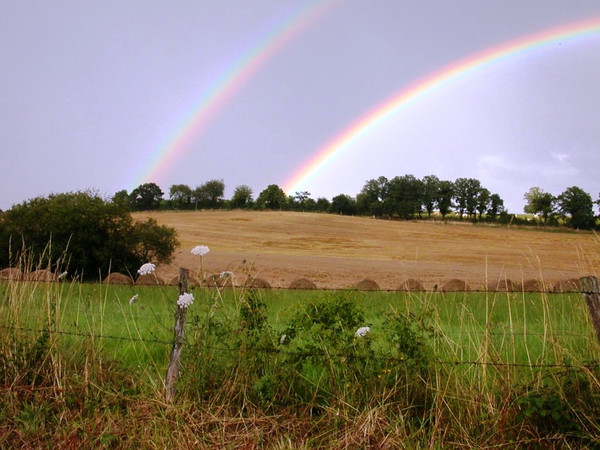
<point x="339" y="251"/>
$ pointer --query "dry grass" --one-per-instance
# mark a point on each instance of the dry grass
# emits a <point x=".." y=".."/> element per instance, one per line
<point x="334" y="251"/>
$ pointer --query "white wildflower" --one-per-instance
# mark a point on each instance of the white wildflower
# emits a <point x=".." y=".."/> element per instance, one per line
<point x="200" y="250"/>
<point x="362" y="331"/>
<point x="282" y="339"/>
<point x="133" y="299"/>
<point x="63" y="275"/>
<point x="185" y="300"/>
<point x="226" y="274"/>
<point x="147" y="269"/>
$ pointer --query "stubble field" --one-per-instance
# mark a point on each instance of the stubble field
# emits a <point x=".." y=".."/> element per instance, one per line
<point x="339" y="251"/>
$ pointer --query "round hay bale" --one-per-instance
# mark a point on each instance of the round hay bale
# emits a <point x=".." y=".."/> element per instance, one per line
<point x="302" y="283"/>
<point x="258" y="283"/>
<point x="455" y="285"/>
<point x="503" y="285"/>
<point x="411" y="285"/>
<point x="366" y="285"/>
<point x="192" y="281"/>
<point x="118" y="278"/>
<point x="572" y="285"/>
<point x="11" y="273"/>
<point x="532" y="285"/>
<point x="42" y="275"/>
<point x="219" y="281"/>
<point x="150" y="279"/>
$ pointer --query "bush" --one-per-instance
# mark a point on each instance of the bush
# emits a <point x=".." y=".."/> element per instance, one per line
<point x="84" y="232"/>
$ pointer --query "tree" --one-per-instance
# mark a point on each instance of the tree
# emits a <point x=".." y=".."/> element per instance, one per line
<point x="444" y="197"/>
<point x="496" y="206"/>
<point x="181" y="195"/>
<point x="146" y="196"/>
<point x="154" y="242"/>
<point x="343" y="204"/>
<point x="242" y="197"/>
<point x="371" y="197"/>
<point x="431" y="187"/>
<point x="209" y="194"/>
<point x="300" y="199"/>
<point x="466" y="191"/>
<point x="88" y="234"/>
<point x="483" y="201"/>
<point x="322" y="205"/>
<point x="539" y="202"/>
<point x="578" y="206"/>
<point x="404" y="197"/>
<point x="272" y="197"/>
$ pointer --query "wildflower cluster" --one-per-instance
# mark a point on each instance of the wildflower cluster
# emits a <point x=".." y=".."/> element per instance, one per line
<point x="200" y="250"/>
<point x="362" y="331"/>
<point x="185" y="300"/>
<point x="147" y="269"/>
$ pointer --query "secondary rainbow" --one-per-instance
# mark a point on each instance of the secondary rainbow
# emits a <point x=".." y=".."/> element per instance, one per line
<point x="427" y="86"/>
<point x="230" y="81"/>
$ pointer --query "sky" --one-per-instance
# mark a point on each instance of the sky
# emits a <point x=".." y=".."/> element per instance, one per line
<point x="107" y="95"/>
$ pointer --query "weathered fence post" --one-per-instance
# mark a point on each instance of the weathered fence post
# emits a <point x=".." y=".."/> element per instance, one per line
<point x="178" y="339"/>
<point x="591" y="293"/>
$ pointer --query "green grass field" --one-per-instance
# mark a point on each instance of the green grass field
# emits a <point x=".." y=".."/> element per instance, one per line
<point x="454" y="369"/>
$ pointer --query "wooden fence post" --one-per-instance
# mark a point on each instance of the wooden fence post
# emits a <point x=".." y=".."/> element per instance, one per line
<point x="178" y="339"/>
<point x="591" y="293"/>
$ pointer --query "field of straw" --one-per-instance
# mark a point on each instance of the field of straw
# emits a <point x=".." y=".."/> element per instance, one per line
<point x="338" y="251"/>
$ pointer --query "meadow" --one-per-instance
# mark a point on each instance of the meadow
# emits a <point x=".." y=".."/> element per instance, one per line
<point x="83" y="364"/>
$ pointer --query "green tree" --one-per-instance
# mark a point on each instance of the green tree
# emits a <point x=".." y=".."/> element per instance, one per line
<point x="431" y="188"/>
<point x="146" y="196"/>
<point x="87" y="233"/>
<point x="466" y="192"/>
<point x="299" y="200"/>
<point x="153" y="242"/>
<point x="483" y="201"/>
<point x="272" y="197"/>
<point x="343" y="204"/>
<point x="577" y="205"/>
<point x="496" y="206"/>
<point x="322" y="205"/>
<point x="404" y="197"/>
<point x="444" y="197"/>
<point x="242" y="197"/>
<point x="181" y="195"/>
<point x="539" y="202"/>
<point x="209" y="194"/>
<point x="371" y="197"/>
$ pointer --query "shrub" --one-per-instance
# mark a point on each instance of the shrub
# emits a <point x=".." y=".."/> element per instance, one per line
<point x="85" y="232"/>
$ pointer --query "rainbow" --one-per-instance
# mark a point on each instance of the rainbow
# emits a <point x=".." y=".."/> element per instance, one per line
<point x="427" y="86"/>
<point x="230" y="81"/>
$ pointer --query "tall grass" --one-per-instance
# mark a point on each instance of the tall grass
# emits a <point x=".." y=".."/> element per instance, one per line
<point x="82" y="366"/>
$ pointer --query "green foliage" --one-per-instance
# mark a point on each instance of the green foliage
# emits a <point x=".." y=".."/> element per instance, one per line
<point x="343" y="204"/>
<point x="242" y="197"/>
<point x="146" y="196"/>
<point x="272" y="197"/>
<point x="578" y="206"/>
<point x="209" y="194"/>
<point x="82" y="233"/>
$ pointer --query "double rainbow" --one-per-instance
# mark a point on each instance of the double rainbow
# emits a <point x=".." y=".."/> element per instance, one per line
<point x="429" y="85"/>
<point x="216" y="96"/>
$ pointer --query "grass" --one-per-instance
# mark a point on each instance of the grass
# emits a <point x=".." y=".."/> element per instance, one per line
<point x="81" y="366"/>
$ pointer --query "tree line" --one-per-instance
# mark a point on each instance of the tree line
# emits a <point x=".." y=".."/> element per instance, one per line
<point x="402" y="197"/>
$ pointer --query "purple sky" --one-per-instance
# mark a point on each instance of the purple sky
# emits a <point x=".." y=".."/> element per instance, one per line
<point x="91" y="90"/>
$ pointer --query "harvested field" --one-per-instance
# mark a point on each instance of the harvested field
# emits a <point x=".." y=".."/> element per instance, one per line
<point x="336" y="251"/>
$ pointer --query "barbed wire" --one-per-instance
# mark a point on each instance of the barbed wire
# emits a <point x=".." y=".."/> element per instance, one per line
<point x="299" y="353"/>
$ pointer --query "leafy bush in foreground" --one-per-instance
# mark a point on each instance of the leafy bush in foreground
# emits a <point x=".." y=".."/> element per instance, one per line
<point x="318" y="362"/>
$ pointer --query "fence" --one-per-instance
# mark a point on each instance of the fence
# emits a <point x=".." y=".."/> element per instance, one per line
<point x="589" y="289"/>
